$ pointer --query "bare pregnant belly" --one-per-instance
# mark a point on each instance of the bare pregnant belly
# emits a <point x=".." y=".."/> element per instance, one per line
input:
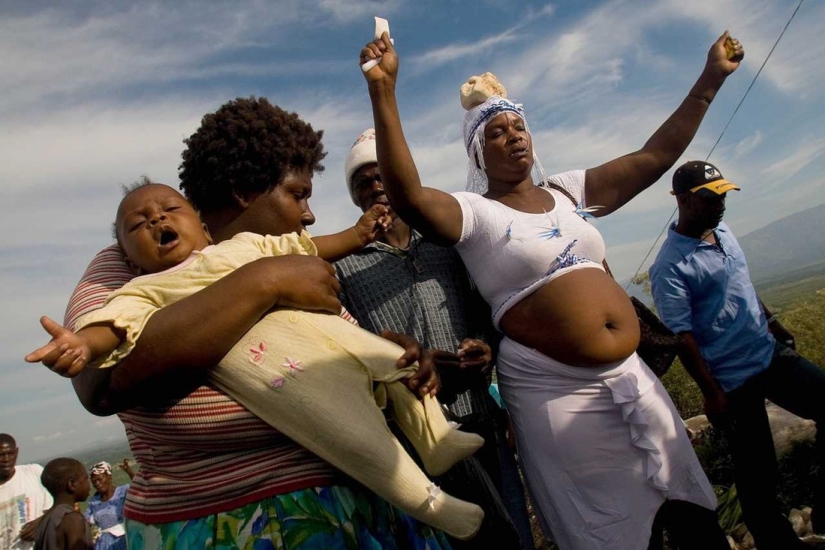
<point x="582" y="318"/>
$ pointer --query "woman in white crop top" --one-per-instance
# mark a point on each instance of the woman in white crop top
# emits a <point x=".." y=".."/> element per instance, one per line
<point x="602" y="447"/>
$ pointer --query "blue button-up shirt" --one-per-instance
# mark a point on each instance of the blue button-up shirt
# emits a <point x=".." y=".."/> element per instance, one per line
<point x="706" y="289"/>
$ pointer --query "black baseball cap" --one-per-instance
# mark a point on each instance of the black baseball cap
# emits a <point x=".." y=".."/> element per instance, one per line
<point x="698" y="176"/>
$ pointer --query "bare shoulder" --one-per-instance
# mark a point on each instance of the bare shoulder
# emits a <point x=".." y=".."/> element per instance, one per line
<point x="72" y="531"/>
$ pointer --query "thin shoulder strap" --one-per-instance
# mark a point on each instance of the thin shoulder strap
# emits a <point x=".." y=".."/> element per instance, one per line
<point x="569" y="195"/>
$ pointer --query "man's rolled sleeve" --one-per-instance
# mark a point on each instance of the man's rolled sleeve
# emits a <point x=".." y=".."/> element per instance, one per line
<point x="672" y="298"/>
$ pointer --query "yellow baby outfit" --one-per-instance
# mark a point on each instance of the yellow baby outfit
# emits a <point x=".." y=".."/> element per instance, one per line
<point x="311" y="376"/>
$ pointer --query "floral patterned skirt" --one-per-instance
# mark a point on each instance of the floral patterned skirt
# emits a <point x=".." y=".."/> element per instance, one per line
<point x="333" y="517"/>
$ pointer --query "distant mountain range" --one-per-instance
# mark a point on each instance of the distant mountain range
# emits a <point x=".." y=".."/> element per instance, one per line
<point x="790" y="244"/>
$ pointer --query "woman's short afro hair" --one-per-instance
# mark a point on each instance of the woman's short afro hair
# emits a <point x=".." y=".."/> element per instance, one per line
<point x="246" y="146"/>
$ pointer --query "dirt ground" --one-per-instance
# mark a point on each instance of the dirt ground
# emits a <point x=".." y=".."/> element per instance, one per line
<point x="539" y="541"/>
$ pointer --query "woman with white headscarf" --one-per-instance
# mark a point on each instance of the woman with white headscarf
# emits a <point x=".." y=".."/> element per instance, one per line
<point x="105" y="509"/>
<point x="601" y="444"/>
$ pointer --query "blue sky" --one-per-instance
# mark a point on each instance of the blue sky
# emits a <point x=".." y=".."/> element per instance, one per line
<point x="95" y="94"/>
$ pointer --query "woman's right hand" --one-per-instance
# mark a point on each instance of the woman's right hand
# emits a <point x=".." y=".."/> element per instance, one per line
<point x="387" y="69"/>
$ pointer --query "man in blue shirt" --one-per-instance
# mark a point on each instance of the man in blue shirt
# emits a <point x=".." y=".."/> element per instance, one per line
<point x="738" y="353"/>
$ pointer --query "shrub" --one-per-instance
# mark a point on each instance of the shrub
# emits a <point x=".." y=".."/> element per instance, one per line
<point x="683" y="391"/>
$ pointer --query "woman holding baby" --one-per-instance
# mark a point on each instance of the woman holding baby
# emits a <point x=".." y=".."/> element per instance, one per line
<point x="213" y="475"/>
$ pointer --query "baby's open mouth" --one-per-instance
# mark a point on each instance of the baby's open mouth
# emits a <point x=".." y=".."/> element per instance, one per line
<point x="167" y="236"/>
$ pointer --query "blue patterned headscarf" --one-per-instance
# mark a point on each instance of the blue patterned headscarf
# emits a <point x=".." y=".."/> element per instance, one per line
<point x="475" y="120"/>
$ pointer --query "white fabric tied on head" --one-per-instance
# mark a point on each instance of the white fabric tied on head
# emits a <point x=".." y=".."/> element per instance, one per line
<point x="475" y="121"/>
<point x="101" y="467"/>
<point x="362" y="152"/>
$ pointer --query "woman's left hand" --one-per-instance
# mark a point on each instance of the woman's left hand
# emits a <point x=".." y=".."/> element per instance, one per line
<point x="426" y="381"/>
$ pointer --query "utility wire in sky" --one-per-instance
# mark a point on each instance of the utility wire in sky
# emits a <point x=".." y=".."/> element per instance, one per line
<point x="712" y="149"/>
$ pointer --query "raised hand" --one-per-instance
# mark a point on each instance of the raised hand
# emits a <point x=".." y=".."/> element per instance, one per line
<point x="66" y="354"/>
<point x="725" y="54"/>
<point x="126" y="467"/>
<point x="387" y="69"/>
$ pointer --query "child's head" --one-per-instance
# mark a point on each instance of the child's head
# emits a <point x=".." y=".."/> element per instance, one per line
<point x="66" y="476"/>
<point x="240" y="157"/>
<point x="157" y="228"/>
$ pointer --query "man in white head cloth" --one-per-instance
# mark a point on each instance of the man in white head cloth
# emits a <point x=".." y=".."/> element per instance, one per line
<point x="407" y="284"/>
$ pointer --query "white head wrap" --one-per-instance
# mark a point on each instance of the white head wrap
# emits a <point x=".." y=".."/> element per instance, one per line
<point x="362" y="152"/>
<point x="101" y="467"/>
<point x="475" y="120"/>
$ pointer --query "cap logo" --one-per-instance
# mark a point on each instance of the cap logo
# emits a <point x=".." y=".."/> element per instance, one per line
<point x="711" y="172"/>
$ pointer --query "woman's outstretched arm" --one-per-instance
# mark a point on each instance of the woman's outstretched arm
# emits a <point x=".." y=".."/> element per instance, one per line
<point x="436" y="214"/>
<point x="614" y="183"/>
<point x="182" y="340"/>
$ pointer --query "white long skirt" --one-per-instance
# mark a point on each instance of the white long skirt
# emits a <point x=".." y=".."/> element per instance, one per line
<point x="601" y="448"/>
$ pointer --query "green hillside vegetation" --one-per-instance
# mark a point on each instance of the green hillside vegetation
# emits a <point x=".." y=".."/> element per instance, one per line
<point x="790" y="290"/>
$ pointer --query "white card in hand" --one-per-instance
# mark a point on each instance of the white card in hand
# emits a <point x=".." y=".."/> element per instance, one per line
<point x="381" y="26"/>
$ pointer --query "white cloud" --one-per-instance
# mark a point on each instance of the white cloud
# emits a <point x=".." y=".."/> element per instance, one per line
<point x="52" y="436"/>
<point x="348" y="10"/>
<point x="587" y="56"/>
<point x="758" y="24"/>
<point x="67" y="52"/>
<point x="779" y="172"/>
<point x="503" y="41"/>
<point x="748" y="144"/>
<point x="452" y="52"/>
<point x="108" y="421"/>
